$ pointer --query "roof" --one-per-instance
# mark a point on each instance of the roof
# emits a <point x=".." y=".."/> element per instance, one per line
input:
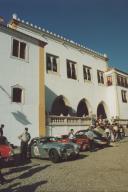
<point x="116" y="70"/>
<point x="42" y="32"/>
<point x="120" y="71"/>
<point x="12" y="31"/>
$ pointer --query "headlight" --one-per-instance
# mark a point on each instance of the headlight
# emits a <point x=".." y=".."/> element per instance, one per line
<point x="11" y="153"/>
<point x="63" y="150"/>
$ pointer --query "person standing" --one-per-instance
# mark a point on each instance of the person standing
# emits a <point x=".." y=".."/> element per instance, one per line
<point x="108" y="132"/>
<point x="2" y="179"/>
<point x="25" y="138"/>
<point x="71" y="135"/>
<point x="1" y="129"/>
<point x="90" y="134"/>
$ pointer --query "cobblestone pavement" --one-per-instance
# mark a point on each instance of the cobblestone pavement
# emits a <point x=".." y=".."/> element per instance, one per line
<point x="105" y="170"/>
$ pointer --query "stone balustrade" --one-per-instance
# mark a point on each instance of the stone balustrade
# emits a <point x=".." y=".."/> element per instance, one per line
<point x="67" y="120"/>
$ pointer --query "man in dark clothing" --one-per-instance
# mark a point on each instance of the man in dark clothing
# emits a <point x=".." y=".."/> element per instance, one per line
<point x="1" y="129"/>
<point x="2" y="179"/>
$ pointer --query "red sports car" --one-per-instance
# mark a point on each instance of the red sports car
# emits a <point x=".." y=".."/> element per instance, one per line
<point x="83" y="142"/>
<point x="6" y="151"/>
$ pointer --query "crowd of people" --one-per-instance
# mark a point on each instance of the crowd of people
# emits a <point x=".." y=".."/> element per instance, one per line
<point x="113" y="131"/>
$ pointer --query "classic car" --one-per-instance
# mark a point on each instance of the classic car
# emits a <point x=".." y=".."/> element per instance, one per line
<point x="6" y="151"/>
<point x="41" y="147"/>
<point x="100" y="140"/>
<point x="84" y="142"/>
<point x="63" y="140"/>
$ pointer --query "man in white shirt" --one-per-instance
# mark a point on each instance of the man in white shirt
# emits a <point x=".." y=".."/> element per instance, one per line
<point x="25" y="138"/>
<point x="71" y="135"/>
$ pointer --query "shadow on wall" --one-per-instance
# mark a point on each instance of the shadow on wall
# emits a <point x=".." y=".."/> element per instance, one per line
<point x="21" y="118"/>
<point x="3" y="89"/>
<point x="57" y="104"/>
<point x="49" y="98"/>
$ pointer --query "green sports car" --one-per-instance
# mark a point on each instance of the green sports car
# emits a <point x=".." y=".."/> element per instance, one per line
<point x="41" y="147"/>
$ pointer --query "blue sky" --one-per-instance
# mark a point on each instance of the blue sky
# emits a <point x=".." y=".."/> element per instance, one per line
<point x="101" y="25"/>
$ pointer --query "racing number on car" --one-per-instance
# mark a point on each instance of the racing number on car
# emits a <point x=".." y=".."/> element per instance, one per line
<point x="36" y="151"/>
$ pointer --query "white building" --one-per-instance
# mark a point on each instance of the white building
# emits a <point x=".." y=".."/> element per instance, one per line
<point x="79" y="84"/>
<point x="21" y="94"/>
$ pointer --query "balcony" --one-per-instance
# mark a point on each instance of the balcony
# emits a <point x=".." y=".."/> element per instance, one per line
<point x="67" y="121"/>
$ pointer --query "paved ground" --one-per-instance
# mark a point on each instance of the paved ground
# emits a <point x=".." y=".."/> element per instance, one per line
<point x="103" y="171"/>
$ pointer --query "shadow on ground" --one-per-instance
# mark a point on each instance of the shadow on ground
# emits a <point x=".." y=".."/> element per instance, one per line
<point x="25" y="188"/>
<point x="32" y="171"/>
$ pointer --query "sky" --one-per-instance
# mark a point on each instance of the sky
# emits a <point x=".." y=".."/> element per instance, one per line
<point x="101" y="25"/>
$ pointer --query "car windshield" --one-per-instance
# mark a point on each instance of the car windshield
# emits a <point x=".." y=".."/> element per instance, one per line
<point x="80" y="133"/>
<point x="52" y="139"/>
<point x="43" y="140"/>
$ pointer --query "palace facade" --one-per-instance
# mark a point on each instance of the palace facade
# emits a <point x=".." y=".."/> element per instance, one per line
<point x="52" y="84"/>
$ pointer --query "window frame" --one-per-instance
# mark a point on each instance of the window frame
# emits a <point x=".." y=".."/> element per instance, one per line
<point x="86" y="68"/>
<point x="109" y="82"/>
<point x="22" y="94"/>
<point x="122" y="81"/>
<point x="52" y="57"/>
<point x="100" y="78"/>
<point x="26" y="49"/>
<point x="73" y="69"/>
<point x="124" y="96"/>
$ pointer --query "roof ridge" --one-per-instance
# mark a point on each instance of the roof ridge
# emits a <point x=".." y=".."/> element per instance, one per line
<point x="15" y="17"/>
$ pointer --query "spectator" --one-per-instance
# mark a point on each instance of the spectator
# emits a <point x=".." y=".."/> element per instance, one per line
<point x="25" y="138"/>
<point x="2" y="179"/>
<point x="108" y="132"/>
<point x="91" y="137"/>
<point x="115" y="131"/>
<point x="71" y="135"/>
<point x="1" y="129"/>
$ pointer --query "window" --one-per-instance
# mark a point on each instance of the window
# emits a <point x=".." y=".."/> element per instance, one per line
<point x="100" y="76"/>
<point x="87" y="73"/>
<point x="17" y="94"/>
<point x="122" y="81"/>
<point x="109" y="80"/>
<point x="71" y="69"/>
<point x="19" y="49"/>
<point x="124" y="96"/>
<point x="51" y="63"/>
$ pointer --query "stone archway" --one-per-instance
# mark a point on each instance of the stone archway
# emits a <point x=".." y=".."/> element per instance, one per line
<point x="61" y="106"/>
<point x="102" y="110"/>
<point x="83" y="108"/>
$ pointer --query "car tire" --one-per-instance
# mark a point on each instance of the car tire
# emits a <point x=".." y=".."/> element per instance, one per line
<point x="54" y="156"/>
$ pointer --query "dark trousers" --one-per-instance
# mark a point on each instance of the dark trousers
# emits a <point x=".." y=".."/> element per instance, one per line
<point x="24" y="148"/>
<point x="92" y="145"/>
<point x="2" y="179"/>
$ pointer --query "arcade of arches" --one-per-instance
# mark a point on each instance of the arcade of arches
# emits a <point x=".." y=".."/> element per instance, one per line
<point x="61" y="106"/>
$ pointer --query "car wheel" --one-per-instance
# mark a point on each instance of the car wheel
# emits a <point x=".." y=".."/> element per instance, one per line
<point x="54" y="156"/>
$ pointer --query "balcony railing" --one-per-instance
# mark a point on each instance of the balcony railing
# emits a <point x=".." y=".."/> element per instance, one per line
<point x="67" y="120"/>
<point x="121" y="121"/>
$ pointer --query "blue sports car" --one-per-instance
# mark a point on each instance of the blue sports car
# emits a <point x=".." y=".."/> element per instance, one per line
<point x="41" y="147"/>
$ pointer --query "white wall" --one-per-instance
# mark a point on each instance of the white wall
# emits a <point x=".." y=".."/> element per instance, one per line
<point x="15" y="71"/>
<point x="74" y="90"/>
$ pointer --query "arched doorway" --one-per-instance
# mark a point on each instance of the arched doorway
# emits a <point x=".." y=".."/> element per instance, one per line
<point x="61" y="106"/>
<point x="101" y="111"/>
<point x="82" y="109"/>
